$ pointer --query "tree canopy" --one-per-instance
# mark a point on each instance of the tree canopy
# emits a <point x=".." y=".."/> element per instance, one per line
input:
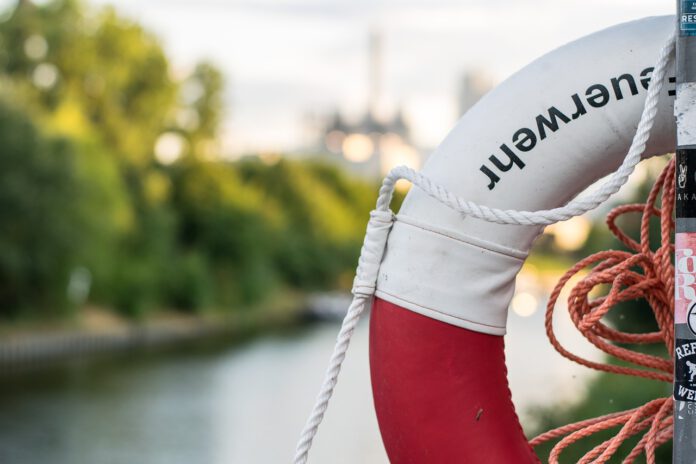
<point x="112" y="165"/>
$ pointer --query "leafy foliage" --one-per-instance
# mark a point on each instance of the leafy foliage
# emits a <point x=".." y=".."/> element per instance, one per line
<point x="82" y="186"/>
<point x="49" y="202"/>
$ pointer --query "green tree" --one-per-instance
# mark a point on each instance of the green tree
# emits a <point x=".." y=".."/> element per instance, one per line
<point x="201" y="109"/>
<point x="90" y="72"/>
<point x="323" y="222"/>
<point x="183" y="233"/>
<point x="231" y="225"/>
<point x="94" y="76"/>
<point x="49" y="196"/>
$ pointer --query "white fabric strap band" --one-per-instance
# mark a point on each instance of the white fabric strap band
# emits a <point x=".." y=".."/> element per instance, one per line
<point x="490" y="271"/>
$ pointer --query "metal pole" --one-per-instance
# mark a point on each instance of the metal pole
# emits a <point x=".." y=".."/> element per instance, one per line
<point x="685" y="239"/>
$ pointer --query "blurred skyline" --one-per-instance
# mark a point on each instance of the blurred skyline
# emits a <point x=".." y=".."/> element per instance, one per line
<point x="288" y="63"/>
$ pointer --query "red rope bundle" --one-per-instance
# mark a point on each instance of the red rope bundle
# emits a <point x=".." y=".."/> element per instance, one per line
<point x="640" y="273"/>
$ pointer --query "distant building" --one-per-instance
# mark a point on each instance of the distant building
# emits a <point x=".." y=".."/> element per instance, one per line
<point x="371" y="146"/>
<point x="474" y="84"/>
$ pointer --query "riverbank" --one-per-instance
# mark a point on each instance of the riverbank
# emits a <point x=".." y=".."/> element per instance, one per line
<point x="97" y="331"/>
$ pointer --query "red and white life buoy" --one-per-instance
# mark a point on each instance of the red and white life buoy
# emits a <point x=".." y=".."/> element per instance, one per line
<point x="442" y="279"/>
<point x="541" y="137"/>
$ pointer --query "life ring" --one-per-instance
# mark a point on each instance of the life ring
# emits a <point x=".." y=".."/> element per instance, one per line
<point x="436" y="332"/>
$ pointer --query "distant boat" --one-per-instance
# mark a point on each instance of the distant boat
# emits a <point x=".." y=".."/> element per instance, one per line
<point x="329" y="306"/>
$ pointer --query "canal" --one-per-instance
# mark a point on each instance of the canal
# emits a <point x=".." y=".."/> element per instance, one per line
<point x="237" y="403"/>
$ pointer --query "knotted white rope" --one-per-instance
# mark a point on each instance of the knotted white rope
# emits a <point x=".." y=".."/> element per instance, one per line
<point x="381" y="220"/>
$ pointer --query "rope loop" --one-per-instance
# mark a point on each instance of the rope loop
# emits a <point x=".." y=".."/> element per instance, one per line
<point x="643" y="273"/>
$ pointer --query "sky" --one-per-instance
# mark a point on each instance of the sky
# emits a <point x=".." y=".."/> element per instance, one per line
<point x="288" y="63"/>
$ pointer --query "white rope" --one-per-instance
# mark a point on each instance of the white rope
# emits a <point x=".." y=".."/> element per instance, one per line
<point x="382" y="218"/>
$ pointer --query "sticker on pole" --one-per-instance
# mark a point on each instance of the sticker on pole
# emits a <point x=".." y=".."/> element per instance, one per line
<point x="685" y="280"/>
<point x="687" y="21"/>
<point x="685" y="370"/>
<point x="691" y="319"/>
<point x="685" y="316"/>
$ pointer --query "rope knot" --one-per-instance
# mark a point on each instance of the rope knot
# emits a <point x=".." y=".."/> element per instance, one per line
<point x="372" y="251"/>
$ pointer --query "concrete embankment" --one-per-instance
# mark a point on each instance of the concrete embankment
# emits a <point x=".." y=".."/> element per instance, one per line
<point x="99" y="332"/>
<point x="44" y="348"/>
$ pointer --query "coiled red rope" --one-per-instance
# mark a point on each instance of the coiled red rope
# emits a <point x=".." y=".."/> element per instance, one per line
<point x="641" y="273"/>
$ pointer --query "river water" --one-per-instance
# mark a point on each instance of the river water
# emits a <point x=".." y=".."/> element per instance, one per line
<point x="233" y="404"/>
